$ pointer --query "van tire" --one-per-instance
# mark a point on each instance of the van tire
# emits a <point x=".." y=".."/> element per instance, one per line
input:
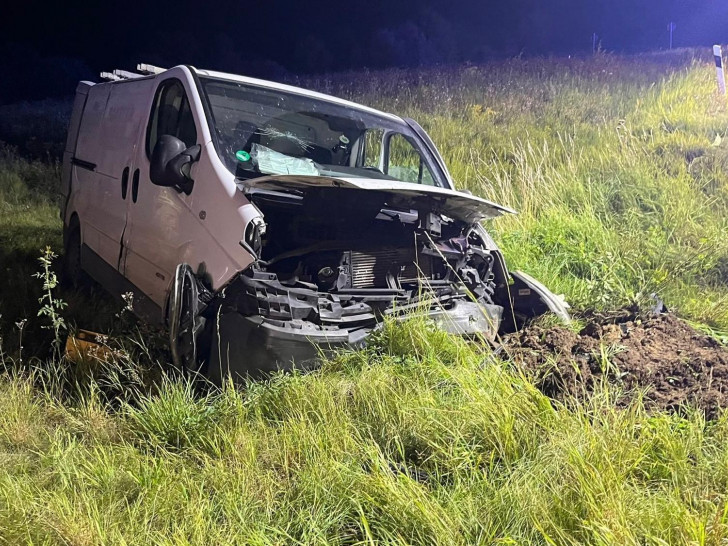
<point x="73" y="276"/>
<point x="185" y="326"/>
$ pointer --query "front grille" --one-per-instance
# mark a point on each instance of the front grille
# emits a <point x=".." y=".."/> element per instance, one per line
<point x="413" y="271"/>
<point x="370" y="269"/>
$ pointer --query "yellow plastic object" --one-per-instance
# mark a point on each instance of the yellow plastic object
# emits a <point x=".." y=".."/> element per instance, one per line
<point x="86" y="345"/>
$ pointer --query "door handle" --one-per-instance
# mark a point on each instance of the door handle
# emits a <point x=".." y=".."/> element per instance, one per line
<point x="124" y="182"/>
<point x="135" y="186"/>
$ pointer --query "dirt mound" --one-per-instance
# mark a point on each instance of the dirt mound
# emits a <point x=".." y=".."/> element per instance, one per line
<point x="679" y="365"/>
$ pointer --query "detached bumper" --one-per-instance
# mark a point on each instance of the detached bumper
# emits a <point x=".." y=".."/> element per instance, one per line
<point x="250" y="346"/>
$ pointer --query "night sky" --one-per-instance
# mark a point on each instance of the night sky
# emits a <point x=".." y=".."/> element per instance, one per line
<point x="46" y="47"/>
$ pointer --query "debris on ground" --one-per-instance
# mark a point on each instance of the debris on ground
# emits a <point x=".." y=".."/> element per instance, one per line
<point x="87" y="345"/>
<point x="678" y="365"/>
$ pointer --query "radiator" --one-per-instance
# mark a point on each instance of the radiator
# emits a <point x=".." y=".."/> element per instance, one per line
<point x="370" y="269"/>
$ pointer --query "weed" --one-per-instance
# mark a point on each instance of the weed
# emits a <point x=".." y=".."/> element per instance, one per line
<point x="51" y="306"/>
<point x="20" y="325"/>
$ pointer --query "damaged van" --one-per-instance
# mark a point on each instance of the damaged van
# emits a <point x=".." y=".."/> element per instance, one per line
<point x="265" y="224"/>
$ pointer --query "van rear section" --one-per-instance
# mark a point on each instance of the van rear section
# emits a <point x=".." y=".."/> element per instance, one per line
<point x="69" y="153"/>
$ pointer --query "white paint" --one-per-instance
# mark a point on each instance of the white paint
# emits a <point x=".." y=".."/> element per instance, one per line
<point x="165" y="228"/>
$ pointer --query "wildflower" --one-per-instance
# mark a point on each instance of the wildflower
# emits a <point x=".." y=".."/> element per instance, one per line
<point x="128" y="298"/>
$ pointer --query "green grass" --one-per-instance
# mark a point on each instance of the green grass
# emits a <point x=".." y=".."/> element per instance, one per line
<point x="28" y="222"/>
<point x="413" y="441"/>
<point x="618" y="167"/>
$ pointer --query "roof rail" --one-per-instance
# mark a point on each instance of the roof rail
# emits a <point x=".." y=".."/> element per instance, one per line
<point x="126" y="75"/>
<point x="110" y="76"/>
<point x="142" y="70"/>
<point x="149" y="69"/>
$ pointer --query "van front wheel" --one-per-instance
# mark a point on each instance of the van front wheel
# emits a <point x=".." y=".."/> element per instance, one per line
<point x="184" y="321"/>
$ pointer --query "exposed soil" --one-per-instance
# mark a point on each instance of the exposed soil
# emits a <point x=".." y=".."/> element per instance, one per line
<point x="678" y="365"/>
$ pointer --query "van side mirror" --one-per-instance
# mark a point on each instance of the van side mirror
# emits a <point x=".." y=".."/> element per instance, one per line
<point x="170" y="163"/>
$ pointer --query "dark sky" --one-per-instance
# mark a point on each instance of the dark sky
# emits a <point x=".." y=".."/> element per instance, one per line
<point x="273" y="37"/>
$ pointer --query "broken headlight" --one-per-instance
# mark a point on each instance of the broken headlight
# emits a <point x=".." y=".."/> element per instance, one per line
<point x="253" y="237"/>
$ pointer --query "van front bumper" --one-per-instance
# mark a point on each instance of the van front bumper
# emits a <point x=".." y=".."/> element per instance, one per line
<point x="252" y="346"/>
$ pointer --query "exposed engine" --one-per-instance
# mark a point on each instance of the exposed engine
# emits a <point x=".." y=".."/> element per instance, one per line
<point x="332" y="257"/>
<point x="328" y="266"/>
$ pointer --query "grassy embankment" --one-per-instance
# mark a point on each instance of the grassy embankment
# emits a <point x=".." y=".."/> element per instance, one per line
<point x="619" y="171"/>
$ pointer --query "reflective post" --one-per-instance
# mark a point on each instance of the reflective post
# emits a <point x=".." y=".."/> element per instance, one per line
<point x="718" y="54"/>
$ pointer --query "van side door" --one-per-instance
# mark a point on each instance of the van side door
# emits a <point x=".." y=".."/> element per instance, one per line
<point x="159" y="219"/>
<point x="104" y="156"/>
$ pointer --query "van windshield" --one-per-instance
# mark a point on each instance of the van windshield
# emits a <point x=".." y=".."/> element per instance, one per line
<point x="263" y="131"/>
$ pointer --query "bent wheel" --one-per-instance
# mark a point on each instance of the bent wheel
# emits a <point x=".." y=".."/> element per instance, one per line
<point x="185" y="324"/>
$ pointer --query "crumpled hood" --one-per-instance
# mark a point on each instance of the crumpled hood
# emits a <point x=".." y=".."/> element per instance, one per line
<point x="455" y="204"/>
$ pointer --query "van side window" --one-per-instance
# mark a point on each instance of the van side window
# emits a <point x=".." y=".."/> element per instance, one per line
<point x="171" y="115"/>
<point x="404" y="162"/>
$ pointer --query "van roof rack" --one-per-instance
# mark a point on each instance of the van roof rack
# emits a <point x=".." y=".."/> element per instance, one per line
<point x="149" y="69"/>
<point x="110" y="76"/>
<point x="142" y="70"/>
<point x="126" y="75"/>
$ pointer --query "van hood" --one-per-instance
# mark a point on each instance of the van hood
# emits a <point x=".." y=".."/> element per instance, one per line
<point x="454" y="204"/>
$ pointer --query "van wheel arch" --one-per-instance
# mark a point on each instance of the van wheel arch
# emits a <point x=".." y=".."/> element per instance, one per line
<point x="74" y="223"/>
<point x="73" y="275"/>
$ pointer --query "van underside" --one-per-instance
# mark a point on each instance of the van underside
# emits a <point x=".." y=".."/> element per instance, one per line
<point x="331" y="264"/>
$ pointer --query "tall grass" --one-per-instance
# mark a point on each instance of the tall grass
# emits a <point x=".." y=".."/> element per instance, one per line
<point x="28" y="222"/>
<point x="617" y="167"/>
<point x="414" y="440"/>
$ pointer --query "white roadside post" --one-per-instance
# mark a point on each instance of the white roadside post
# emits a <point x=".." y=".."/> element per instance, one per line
<point x="718" y="54"/>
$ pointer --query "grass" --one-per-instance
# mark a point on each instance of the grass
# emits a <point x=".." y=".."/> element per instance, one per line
<point x="28" y="221"/>
<point x="411" y="441"/>
<point x="616" y="166"/>
<point x="618" y="169"/>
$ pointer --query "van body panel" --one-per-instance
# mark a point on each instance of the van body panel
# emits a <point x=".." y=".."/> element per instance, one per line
<point x="220" y="254"/>
<point x="79" y="103"/>
<point x="453" y="203"/>
<point x="114" y="149"/>
<point x="89" y="183"/>
<point x="166" y="227"/>
<point x="109" y="132"/>
<point x="116" y="284"/>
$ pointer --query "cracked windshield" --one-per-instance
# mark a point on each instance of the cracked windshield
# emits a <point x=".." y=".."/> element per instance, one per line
<point x="264" y="132"/>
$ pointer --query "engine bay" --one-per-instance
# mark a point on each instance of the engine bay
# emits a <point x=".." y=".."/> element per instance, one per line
<point x="346" y="258"/>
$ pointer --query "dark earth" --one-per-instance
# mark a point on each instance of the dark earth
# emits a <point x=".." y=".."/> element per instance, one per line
<point x="678" y="366"/>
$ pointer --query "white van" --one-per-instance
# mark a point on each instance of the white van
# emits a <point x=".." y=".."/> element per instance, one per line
<point x="264" y="223"/>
